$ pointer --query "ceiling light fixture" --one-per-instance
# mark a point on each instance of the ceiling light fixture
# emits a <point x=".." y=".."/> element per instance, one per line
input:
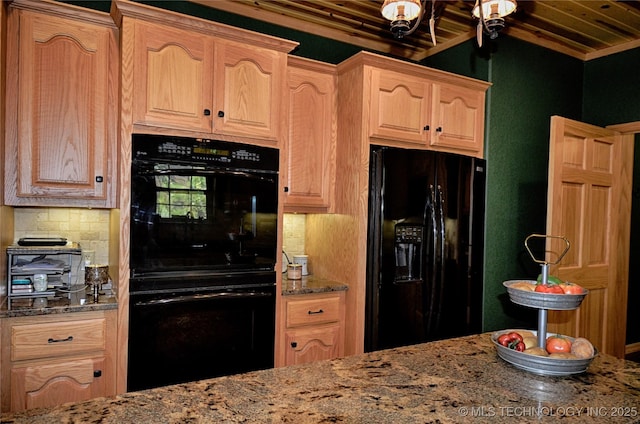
<point x="401" y="13"/>
<point x="491" y="14"/>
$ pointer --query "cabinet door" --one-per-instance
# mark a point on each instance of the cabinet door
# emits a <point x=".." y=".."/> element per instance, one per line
<point x="400" y="107"/>
<point x="38" y="386"/>
<point x="62" y="140"/>
<point x="311" y="142"/>
<point x="311" y="344"/>
<point x="458" y="118"/>
<point x="249" y="89"/>
<point x="172" y="78"/>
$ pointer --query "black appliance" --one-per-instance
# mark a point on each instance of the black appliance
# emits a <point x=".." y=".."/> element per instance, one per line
<point x="202" y="260"/>
<point x="424" y="247"/>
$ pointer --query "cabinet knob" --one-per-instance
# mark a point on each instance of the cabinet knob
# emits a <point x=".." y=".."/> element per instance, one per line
<point x="294" y="345"/>
<point x="286" y="189"/>
<point x="97" y="373"/>
<point x="207" y="112"/>
<point x="99" y="179"/>
<point x="426" y="128"/>
<point x="439" y="129"/>
<point x="220" y="114"/>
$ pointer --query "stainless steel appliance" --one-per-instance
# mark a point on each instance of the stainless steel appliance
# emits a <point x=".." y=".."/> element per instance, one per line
<point x="425" y="243"/>
<point x="203" y="249"/>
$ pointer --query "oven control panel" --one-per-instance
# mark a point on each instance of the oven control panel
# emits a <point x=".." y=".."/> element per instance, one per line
<point x="205" y="151"/>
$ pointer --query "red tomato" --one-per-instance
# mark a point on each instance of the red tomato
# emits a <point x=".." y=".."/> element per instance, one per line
<point x="549" y="288"/>
<point x="571" y="288"/>
<point x="558" y="344"/>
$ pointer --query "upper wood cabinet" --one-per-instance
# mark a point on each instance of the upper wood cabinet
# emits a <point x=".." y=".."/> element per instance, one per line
<point x="458" y="119"/>
<point x="172" y="78"/>
<point x="420" y="107"/>
<point x="194" y="75"/>
<point x="62" y="83"/>
<point x="309" y="153"/>
<point x="400" y="107"/>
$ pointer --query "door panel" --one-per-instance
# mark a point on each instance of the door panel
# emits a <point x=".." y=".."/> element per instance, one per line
<point x="589" y="203"/>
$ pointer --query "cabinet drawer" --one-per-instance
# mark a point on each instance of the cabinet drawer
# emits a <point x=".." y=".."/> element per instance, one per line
<point x="313" y="311"/>
<point x="52" y="339"/>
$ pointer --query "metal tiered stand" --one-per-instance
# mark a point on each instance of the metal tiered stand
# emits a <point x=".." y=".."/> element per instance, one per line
<point x="543" y="302"/>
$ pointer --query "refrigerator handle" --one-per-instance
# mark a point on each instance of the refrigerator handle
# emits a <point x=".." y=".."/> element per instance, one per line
<point x="430" y="274"/>
<point x="440" y="273"/>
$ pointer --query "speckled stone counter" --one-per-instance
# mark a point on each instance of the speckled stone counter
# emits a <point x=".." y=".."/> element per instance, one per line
<point x="453" y="381"/>
<point x="310" y="284"/>
<point x="77" y="301"/>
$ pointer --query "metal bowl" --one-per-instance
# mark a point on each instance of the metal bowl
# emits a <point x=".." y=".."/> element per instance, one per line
<point x="541" y="365"/>
<point x="559" y="302"/>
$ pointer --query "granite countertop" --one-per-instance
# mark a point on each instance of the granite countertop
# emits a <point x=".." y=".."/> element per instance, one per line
<point x="310" y="284"/>
<point x="458" y="380"/>
<point x="79" y="299"/>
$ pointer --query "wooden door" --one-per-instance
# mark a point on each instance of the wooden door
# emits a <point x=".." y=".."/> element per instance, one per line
<point x="173" y="78"/>
<point x="590" y="177"/>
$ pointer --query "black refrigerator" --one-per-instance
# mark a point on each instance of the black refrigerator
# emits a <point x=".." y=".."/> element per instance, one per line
<point x="424" y="247"/>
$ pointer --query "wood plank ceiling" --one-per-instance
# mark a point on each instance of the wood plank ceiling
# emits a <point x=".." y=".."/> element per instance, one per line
<point x="584" y="29"/>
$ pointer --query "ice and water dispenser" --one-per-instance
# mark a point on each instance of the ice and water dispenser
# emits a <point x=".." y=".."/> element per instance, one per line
<point x="408" y="253"/>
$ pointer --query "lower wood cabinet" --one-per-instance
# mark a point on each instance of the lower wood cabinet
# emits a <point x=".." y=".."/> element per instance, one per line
<point x="49" y="360"/>
<point x="314" y="327"/>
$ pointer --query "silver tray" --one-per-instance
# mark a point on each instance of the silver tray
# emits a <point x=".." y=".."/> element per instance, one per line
<point x="559" y="302"/>
<point x="541" y="365"/>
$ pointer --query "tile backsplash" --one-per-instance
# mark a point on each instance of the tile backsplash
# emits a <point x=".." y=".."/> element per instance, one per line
<point x="293" y="234"/>
<point x="87" y="227"/>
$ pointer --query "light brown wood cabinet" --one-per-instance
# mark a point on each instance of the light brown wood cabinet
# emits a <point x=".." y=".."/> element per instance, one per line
<point x="422" y="111"/>
<point x="188" y="80"/>
<point x="61" y="139"/>
<point x="314" y="327"/>
<point x="52" y="359"/>
<point x="310" y="146"/>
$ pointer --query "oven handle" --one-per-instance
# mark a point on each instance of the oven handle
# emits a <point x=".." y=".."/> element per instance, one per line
<point x="209" y="296"/>
<point x="207" y="172"/>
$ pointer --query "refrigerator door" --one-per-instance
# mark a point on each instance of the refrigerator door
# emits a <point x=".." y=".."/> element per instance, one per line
<point x="457" y="295"/>
<point x="396" y="297"/>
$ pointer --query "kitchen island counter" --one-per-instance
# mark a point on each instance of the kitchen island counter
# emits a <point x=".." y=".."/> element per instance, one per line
<point x="451" y="381"/>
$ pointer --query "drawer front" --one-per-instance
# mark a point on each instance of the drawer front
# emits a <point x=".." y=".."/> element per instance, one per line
<point x="53" y="339"/>
<point x="313" y="311"/>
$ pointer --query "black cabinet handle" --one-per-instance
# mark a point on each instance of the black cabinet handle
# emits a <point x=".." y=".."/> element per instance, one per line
<point x="319" y="311"/>
<point x="99" y="179"/>
<point x="286" y="189"/>
<point x="97" y="373"/>
<point x="68" y="339"/>
<point x="294" y="345"/>
<point x="426" y="128"/>
<point x="220" y="114"/>
<point x="207" y="112"/>
<point x="439" y="129"/>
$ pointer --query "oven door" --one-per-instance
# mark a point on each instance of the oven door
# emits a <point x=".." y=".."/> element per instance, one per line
<point x="193" y="336"/>
<point x="189" y="217"/>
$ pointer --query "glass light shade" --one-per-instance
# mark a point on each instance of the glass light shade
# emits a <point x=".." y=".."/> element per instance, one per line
<point x="401" y="9"/>
<point x="491" y="7"/>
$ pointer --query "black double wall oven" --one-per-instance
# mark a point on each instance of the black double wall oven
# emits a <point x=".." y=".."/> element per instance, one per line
<point x="202" y="260"/>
